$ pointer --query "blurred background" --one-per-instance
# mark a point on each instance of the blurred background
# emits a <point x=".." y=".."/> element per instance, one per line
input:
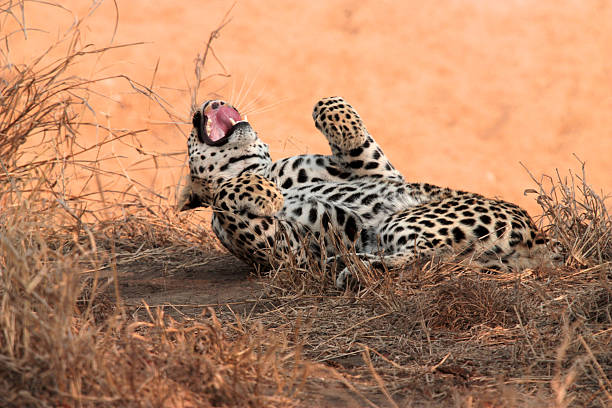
<point x="458" y="93"/>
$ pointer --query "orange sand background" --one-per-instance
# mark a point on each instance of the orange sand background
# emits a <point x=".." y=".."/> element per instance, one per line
<point x="456" y="92"/>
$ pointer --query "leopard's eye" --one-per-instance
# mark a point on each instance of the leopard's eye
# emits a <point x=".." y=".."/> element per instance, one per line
<point x="197" y="119"/>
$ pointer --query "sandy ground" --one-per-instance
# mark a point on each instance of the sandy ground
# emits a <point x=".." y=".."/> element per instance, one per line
<point x="457" y="93"/>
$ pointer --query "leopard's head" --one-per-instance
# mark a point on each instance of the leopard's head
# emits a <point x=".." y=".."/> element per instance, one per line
<point x="222" y="144"/>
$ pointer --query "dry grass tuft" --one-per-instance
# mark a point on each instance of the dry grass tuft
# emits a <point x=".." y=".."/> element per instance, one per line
<point x="464" y="303"/>
<point x="577" y="216"/>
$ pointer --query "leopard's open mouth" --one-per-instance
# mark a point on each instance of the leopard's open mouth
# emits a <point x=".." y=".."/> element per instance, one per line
<point x="215" y="122"/>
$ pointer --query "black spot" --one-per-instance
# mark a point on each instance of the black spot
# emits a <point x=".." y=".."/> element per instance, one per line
<point x="481" y="231"/>
<point x="368" y="199"/>
<point x="350" y="228"/>
<point x="468" y="221"/>
<point x="287" y="184"/>
<point x="364" y="236"/>
<point x="316" y="188"/>
<point x="515" y="238"/>
<point x="297" y="211"/>
<point x="312" y="215"/>
<point x="427" y="223"/>
<point x="468" y="214"/>
<point x="458" y="234"/>
<point x="443" y="231"/>
<point x="297" y="163"/>
<point x="302" y="177"/>
<point x="325" y="221"/>
<point x="494" y="269"/>
<point x="371" y="165"/>
<point x="237" y="159"/>
<point x="332" y="171"/>
<point x="461" y="207"/>
<point x="485" y="219"/>
<point x="249" y="167"/>
<point x="444" y="221"/>
<point x="352" y="198"/>
<point x="500" y="228"/>
<point x="356" y="164"/>
<point x="480" y="209"/>
<point x="356" y="152"/>
<point x="401" y="240"/>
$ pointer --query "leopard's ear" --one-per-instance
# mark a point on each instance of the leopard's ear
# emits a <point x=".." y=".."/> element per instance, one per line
<point x="187" y="200"/>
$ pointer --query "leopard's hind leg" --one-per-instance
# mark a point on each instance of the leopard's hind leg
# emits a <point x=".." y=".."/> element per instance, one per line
<point x="354" y="151"/>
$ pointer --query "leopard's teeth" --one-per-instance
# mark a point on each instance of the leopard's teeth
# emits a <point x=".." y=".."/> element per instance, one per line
<point x="232" y="121"/>
<point x="245" y="119"/>
<point x="208" y="128"/>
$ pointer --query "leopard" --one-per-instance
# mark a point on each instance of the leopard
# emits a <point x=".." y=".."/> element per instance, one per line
<point x="321" y="207"/>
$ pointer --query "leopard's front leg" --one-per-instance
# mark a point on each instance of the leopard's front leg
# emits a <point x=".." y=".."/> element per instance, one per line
<point x="245" y="220"/>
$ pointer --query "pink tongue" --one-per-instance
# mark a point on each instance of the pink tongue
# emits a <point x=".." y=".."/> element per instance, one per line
<point x="220" y="121"/>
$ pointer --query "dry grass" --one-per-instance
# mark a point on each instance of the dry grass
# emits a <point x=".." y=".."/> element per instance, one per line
<point x="66" y="338"/>
<point x="429" y="335"/>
